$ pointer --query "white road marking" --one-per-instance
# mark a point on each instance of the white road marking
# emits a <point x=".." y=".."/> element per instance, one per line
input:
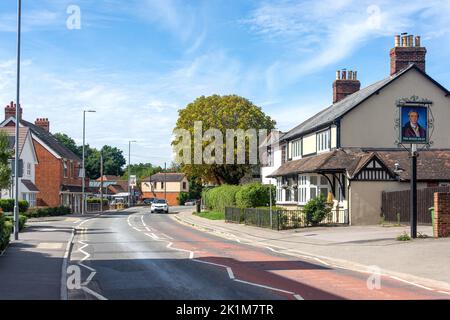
<point x="411" y="283"/>
<point x="92" y="292"/>
<point x="143" y="222"/>
<point x="298" y="297"/>
<point x="64" y="267"/>
<point x="444" y="292"/>
<point x="165" y="235"/>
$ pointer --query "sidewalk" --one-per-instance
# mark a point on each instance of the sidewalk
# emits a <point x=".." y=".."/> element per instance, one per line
<point x="422" y="261"/>
<point x="30" y="268"/>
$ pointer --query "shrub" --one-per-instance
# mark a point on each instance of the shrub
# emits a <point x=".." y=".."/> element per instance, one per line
<point x="46" y="212"/>
<point x="7" y="205"/>
<point x="254" y="195"/>
<point x="403" y="237"/>
<point x="316" y="210"/>
<point x="22" y="221"/>
<point x="5" y="232"/>
<point x="182" y="198"/>
<point x="97" y="200"/>
<point x="216" y="199"/>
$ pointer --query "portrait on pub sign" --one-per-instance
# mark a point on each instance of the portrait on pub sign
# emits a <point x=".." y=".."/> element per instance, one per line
<point x="414" y="124"/>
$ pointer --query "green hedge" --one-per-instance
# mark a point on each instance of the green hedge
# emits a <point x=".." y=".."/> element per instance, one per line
<point x="22" y="220"/>
<point x="7" y="205"/>
<point x="5" y="232"/>
<point x="97" y="200"/>
<point x="254" y="195"/>
<point x="216" y="199"/>
<point x="48" y="212"/>
<point x="182" y="198"/>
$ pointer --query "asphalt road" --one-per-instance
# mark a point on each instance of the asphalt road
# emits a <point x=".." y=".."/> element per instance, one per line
<point x="137" y="255"/>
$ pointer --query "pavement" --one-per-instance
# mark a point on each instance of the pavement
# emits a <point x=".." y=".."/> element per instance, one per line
<point x="360" y="248"/>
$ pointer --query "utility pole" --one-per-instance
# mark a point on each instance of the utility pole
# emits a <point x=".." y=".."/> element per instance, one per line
<point x="83" y="186"/>
<point x="413" y="198"/>
<point x="129" y="172"/>
<point x="16" y="156"/>
<point x="101" y="182"/>
<point x="165" y="181"/>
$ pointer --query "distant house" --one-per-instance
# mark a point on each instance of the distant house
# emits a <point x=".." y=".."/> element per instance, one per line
<point x="112" y="185"/>
<point x="57" y="171"/>
<point x="165" y="186"/>
<point x="27" y="153"/>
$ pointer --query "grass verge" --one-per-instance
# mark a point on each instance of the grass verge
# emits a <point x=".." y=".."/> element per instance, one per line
<point x="211" y="215"/>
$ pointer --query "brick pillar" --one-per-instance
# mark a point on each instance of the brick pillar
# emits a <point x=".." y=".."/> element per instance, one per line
<point x="441" y="225"/>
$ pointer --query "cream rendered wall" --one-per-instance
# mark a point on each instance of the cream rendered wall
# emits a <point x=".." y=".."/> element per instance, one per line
<point x="170" y="186"/>
<point x="371" y="124"/>
<point x="365" y="199"/>
<point x="309" y="144"/>
<point x="333" y="137"/>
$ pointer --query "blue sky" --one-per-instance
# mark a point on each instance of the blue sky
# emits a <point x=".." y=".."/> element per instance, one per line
<point x="138" y="61"/>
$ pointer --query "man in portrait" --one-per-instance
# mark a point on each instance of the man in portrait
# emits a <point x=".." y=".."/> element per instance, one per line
<point x="412" y="129"/>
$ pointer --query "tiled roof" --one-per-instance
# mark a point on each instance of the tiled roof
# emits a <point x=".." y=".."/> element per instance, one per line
<point x="340" y="108"/>
<point x="74" y="189"/>
<point x="108" y="177"/>
<point x="51" y="141"/>
<point x="11" y="132"/>
<point x="30" y="185"/>
<point x="168" y="177"/>
<point x="432" y="165"/>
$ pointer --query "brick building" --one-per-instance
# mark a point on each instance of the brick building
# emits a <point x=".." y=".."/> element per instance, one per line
<point x="56" y="174"/>
<point x="165" y="186"/>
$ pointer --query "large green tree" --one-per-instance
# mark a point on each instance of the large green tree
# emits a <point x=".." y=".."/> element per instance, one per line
<point x="5" y="154"/>
<point x="222" y="113"/>
<point x="69" y="143"/>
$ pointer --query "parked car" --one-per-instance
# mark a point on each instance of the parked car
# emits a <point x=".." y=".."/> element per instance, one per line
<point x="190" y="202"/>
<point x="148" y="201"/>
<point x="159" y="205"/>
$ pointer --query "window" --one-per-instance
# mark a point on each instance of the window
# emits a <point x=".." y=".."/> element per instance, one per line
<point x="297" y="148"/>
<point x="162" y="185"/>
<point x="311" y="187"/>
<point x="269" y="156"/>
<point x="28" y="169"/>
<point x="65" y="169"/>
<point x="323" y="141"/>
<point x="184" y="185"/>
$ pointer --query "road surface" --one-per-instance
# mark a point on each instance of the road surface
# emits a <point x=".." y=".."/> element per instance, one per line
<point x="133" y="254"/>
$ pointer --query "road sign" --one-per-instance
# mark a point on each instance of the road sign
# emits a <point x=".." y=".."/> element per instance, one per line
<point x="133" y="182"/>
<point x="12" y="166"/>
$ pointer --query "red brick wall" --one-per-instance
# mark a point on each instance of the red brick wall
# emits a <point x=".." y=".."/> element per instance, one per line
<point x="171" y="197"/>
<point x="48" y="177"/>
<point x="441" y="214"/>
<point x="401" y="57"/>
<point x="343" y="88"/>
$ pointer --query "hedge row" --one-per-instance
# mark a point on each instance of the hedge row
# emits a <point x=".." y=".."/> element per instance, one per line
<point x="48" y="212"/>
<point x="5" y="232"/>
<point x="7" y="205"/>
<point x="250" y="195"/>
<point x="97" y="200"/>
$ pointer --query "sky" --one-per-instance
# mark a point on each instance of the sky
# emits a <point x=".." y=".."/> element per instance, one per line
<point x="137" y="62"/>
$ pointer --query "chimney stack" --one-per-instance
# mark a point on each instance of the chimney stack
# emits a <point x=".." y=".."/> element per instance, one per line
<point x="405" y="53"/>
<point x="10" y="111"/>
<point x="346" y="83"/>
<point x="43" y="123"/>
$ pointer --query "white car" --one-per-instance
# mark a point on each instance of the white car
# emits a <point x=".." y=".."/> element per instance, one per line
<point x="159" y="205"/>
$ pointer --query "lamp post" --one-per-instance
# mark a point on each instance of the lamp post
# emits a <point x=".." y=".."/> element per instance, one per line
<point x="83" y="200"/>
<point x="16" y="156"/>
<point x="129" y="171"/>
<point x="413" y="196"/>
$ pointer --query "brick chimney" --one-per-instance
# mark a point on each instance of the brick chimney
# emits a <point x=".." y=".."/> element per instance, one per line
<point x="10" y="111"/>
<point x="406" y="52"/>
<point x="346" y="83"/>
<point x="43" y="123"/>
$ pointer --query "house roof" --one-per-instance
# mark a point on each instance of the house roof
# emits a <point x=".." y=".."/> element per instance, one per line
<point x="167" y="177"/>
<point x="433" y="165"/>
<point x="51" y="141"/>
<point x="340" y="108"/>
<point x="109" y="177"/>
<point x="30" y="185"/>
<point x="74" y="189"/>
<point x="11" y="132"/>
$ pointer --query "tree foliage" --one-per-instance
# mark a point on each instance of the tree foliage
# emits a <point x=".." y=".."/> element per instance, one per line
<point x="5" y="154"/>
<point x="222" y="113"/>
<point x="69" y="143"/>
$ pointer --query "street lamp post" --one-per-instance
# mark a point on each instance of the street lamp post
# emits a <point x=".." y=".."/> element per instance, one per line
<point x="16" y="156"/>
<point x="83" y="200"/>
<point x="129" y="172"/>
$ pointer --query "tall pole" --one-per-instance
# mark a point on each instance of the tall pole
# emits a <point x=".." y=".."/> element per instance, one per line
<point x="101" y="181"/>
<point x="165" y="182"/>
<point x="270" y="204"/>
<point x="129" y="173"/>
<point x="84" y="169"/>
<point x="413" y="198"/>
<point x="16" y="157"/>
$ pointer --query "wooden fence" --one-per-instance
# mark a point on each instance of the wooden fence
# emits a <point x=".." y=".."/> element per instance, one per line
<point x="395" y="205"/>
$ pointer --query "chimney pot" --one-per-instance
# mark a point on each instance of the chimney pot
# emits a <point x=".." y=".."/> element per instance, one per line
<point x="338" y="75"/>
<point x="408" y="53"/>
<point x="397" y="41"/>
<point x="417" y="41"/>
<point x="43" y="123"/>
<point x="344" y="86"/>
<point x="344" y="75"/>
